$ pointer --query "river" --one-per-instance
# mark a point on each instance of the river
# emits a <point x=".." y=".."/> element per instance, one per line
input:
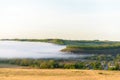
<point x="17" y="49"/>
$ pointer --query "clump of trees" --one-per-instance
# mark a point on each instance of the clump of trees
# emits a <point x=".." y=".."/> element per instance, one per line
<point x="45" y="64"/>
<point x="96" y="62"/>
<point x="48" y="64"/>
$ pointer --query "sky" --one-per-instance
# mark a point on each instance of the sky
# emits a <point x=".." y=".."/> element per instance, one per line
<point x="65" y="19"/>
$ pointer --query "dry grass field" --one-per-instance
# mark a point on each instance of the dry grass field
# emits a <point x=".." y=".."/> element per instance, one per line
<point x="56" y="74"/>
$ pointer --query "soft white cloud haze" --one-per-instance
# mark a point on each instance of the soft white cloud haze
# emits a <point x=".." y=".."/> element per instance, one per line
<point x="67" y="19"/>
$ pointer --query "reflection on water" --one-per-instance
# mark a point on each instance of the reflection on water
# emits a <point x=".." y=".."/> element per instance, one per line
<point x="16" y="49"/>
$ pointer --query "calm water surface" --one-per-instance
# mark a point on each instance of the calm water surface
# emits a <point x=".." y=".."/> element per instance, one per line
<point x="16" y="49"/>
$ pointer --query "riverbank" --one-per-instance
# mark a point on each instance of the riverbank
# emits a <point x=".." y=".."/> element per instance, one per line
<point x="93" y="50"/>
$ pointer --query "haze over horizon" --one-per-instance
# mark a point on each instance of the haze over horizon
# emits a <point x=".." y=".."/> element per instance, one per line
<point x="65" y="19"/>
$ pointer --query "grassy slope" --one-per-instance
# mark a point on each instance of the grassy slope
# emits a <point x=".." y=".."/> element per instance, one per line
<point x="57" y="74"/>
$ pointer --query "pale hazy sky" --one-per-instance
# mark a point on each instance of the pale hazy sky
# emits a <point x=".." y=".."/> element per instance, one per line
<point x="67" y="19"/>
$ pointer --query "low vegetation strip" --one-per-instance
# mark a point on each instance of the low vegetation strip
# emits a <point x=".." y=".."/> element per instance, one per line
<point x="67" y="42"/>
<point x="102" y="49"/>
<point x="95" y="47"/>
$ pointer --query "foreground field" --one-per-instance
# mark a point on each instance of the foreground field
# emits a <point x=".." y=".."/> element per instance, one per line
<point x="56" y="74"/>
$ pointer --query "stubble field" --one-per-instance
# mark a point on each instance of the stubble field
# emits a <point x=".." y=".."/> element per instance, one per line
<point x="57" y="74"/>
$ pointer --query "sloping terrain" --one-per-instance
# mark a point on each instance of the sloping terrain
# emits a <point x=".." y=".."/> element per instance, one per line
<point x="57" y="74"/>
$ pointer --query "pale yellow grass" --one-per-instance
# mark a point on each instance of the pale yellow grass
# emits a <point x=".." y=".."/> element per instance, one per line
<point x="57" y="74"/>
